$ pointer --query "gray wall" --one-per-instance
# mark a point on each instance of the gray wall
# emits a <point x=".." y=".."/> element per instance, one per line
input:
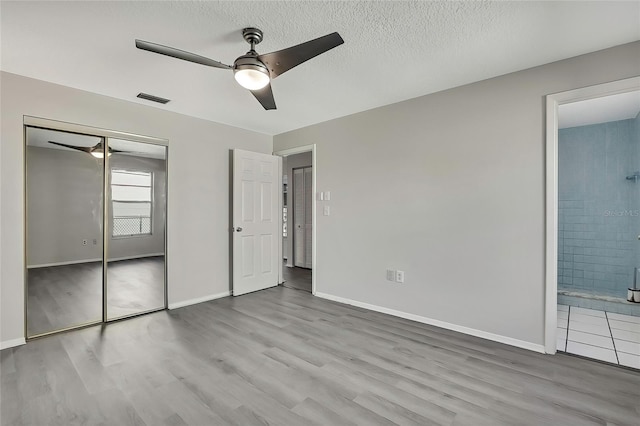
<point x="65" y="207"/>
<point x="290" y="162"/>
<point x="598" y="208"/>
<point x="198" y="187"/>
<point x="448" y="187"/>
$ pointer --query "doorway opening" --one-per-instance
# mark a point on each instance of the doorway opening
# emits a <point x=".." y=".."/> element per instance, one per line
<point x="298" y="218"/>
<point x="593" y="252"/>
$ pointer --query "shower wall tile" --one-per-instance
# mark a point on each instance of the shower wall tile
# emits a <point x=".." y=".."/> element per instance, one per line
<point x="598" y="208"/>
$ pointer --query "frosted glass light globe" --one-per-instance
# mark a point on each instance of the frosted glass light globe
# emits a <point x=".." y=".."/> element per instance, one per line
<point x="251" y="79"/>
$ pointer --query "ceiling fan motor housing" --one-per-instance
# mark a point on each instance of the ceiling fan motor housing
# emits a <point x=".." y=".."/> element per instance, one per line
<point x="250" y="72"/>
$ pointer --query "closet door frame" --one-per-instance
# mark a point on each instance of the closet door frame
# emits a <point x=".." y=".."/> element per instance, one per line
<point x="104" y="134"/>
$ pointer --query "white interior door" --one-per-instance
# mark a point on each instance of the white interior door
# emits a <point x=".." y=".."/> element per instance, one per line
<point x="256" y="186"/>
<point x="302" y="216"/>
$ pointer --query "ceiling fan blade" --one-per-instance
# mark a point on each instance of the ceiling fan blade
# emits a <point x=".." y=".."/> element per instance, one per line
<point x="180" y="54"/>
<point x="265" y="97"/>
<point x="283" y="60"/>
<point x="79" y="148"/>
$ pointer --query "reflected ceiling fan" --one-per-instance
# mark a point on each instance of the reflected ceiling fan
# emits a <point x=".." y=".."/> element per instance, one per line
<point x="251" y="70"/>
<point x="96" y="150"/>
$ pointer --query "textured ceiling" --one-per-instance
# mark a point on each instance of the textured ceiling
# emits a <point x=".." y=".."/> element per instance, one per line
<point x="393" y="50"/>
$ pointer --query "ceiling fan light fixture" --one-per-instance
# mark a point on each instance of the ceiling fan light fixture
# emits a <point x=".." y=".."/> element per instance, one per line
<point x="250" y="73"/>
<point x="99" y="153"/>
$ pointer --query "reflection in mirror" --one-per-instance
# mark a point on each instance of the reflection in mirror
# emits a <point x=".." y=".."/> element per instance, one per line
<point x="64" y="187"/>
<point x="136" y="228"/>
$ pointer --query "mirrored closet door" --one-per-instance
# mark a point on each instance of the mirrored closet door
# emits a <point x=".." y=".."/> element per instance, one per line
<point x="95" y="240"/>
<point x="64" y="218"/>
<point x="137" y="205"/>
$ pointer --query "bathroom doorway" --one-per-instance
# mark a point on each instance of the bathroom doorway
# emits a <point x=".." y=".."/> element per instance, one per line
<point x="597" y="233"/>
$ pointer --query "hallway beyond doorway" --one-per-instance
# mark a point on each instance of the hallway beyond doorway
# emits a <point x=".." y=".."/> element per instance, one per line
<point x="297" y="278"/>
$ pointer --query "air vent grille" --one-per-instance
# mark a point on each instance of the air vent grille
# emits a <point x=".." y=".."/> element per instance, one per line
<point x="152" y="98"/>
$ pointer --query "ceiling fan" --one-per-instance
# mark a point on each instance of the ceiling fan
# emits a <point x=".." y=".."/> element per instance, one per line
<point x="97" y="150"/>
<point x="251" y="70"/>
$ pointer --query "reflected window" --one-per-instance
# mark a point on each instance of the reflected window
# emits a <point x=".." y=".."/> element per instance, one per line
<point x="131" y="195"/>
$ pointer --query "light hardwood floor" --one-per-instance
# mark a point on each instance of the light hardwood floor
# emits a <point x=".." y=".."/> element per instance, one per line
<point x="284" y="357"/>
<point x="297" y="278"/>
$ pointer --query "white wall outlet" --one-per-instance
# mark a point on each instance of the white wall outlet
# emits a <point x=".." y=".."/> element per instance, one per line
<point x="84" y="242"/>
<point x="391" y="275"/>
<point x="400" y="276"/>
<point x="95" y="241"/>
<point x="326" y="211"/>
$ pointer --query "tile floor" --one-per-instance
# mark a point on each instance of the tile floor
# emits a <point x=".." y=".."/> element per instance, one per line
<point x="601" y="335"/>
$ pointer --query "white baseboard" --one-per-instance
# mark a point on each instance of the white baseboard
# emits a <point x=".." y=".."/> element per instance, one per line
<point x="466" y="330"/>
<point x="75" y="262"/>
<point x="12" y="343"/>
<point x="199" y="300"/>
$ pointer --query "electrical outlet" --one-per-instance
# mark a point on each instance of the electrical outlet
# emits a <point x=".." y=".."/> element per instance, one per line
<point x="84" y="242"/>
<point x="400" y="276"/>
<point x="95" y="241"/>
<point x="391" y="275"/>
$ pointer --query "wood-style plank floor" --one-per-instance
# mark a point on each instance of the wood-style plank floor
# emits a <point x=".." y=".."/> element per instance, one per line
<point x="297" y="278"/>
<point x="284" y="357"/>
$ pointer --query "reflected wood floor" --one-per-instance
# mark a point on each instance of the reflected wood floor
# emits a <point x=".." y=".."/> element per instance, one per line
<point x="284" y="357"/>
<point x="297" y="278"/>
<point x="71" y="295"/>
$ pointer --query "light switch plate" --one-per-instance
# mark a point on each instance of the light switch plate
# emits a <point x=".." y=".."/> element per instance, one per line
<point x="391" y="275"/>
<point x="326" y="211"/>
<point x="327" y="195"/>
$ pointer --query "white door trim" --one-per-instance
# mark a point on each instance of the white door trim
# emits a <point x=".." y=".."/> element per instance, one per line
<point x="314" y="165"/>
<point x="551" y="252"/>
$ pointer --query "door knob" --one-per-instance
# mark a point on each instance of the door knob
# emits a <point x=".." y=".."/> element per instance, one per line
<point x="239" y="229"/>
